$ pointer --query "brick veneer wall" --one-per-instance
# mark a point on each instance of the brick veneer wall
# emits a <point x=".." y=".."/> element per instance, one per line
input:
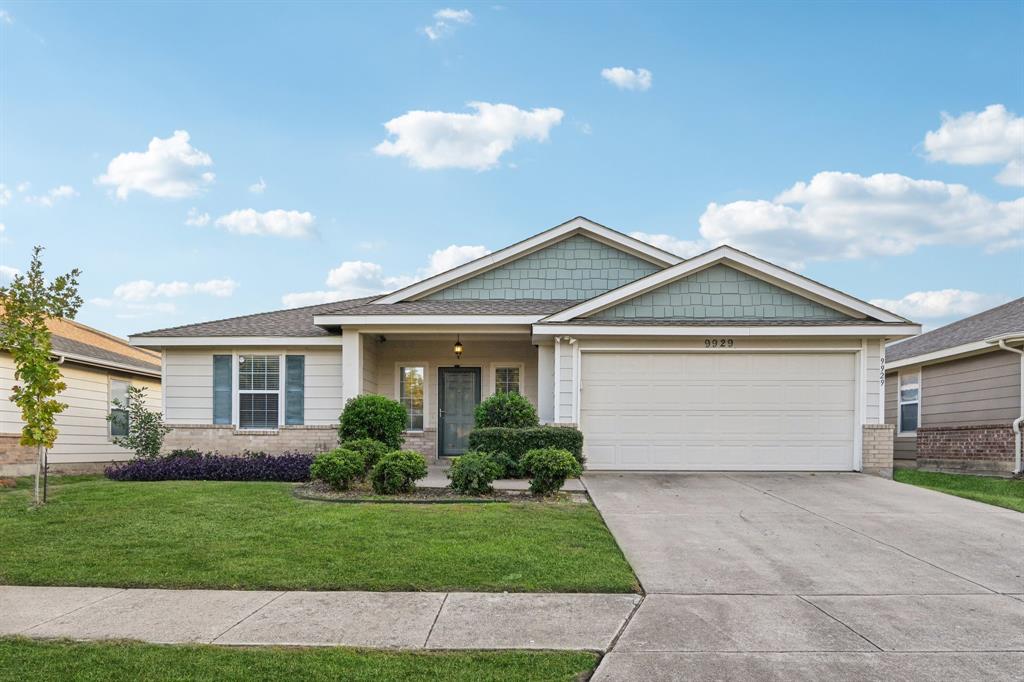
<point x="423" y="442"/>
<point x="16" y="459"/>
<point x="877" y="449"/>
<point x="225" y="439"/>
<point x="982" y="448"/>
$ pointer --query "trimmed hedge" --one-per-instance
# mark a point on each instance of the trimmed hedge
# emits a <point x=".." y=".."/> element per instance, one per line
<point x="473" y="473"/>
<point x="251" y="466"/>
<point x="397" y="472"/>
<point x="373" y="416"/>
<point x="371" y="450"/>
<point x="548" y="468"/>
<point x="510" y="410"/>
<point x="517" y="442"/>
<point x="338" y="468"/>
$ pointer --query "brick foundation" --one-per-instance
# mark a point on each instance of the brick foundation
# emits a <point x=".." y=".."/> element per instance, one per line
<point x="423" y="442"/>
<point x="227" y="440"/>
<point x="983" y="448"/>
<point x="877" y="449"/>
<point x="16" y="459"/>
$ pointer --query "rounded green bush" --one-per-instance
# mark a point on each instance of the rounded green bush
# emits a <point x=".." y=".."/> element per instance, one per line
<point x="510" y="410"/>
<point x="548" y="468"/>
<point x="397" y="472"/>
<point x="338" y="468"/>
<point x="372" y="450"/>
<point x="373" y="416"/>
<point x="473" y="473"/>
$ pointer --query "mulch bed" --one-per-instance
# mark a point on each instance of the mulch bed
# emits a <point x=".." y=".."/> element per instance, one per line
<point x="362" y="492"/>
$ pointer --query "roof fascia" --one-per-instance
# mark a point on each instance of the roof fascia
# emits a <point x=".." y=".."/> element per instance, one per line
<point x="170" y="341"/>
<point x="868" y="329"/>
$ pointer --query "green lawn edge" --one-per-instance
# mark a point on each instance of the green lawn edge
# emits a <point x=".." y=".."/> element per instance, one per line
<point x="28" y="660"/>
<point x="999" y="492"/>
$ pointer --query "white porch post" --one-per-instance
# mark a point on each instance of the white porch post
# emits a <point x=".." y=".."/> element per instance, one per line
<point x="546" y="383"/>
<point x="351" y="363"/>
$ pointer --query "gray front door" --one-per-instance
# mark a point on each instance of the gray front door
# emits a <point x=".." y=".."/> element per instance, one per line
<point x="458" y="390"/>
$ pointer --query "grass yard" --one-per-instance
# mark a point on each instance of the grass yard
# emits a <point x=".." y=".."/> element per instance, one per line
<point x="198" y="534"/>
<point x="31" y="661"/>
<point x="1001" y="492"/>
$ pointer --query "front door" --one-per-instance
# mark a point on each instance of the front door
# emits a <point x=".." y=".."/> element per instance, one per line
<point x="458" y="390"/>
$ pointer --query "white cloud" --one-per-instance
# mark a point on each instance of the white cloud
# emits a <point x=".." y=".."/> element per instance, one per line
<point x="258" y="187"/>
<point x="6" y="17"/>
<point x="628" y="79"/>
<point x="941" y="303"/>
<point x="197" y="219"/>
<point x="5" y="195"/>
<point x="992" y="136"/>
<point x="355" y="279"/>
<point x="221" y="288"/>
<point x="278" y="222"/>
<point x="143" y="297"/>
<point x="169" y="168"/>
<point x="446" y="21"/>
<point x="845" y="215"/>
<point x="24" y="186"/>
<point x="680" y="247"/>
<point x="7" y="273"/>
<point x="51" y="197"/>
<point x="439" y="139"/>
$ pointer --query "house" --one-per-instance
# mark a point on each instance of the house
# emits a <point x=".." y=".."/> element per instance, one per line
<point x="722" y="361"/>
<point x="955" y="394"/>
<point x="97" y="368"/>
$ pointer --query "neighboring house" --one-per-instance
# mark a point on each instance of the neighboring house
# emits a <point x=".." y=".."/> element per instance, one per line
<point x="954" y="394"/>
<point x="97" y="368"/>
<point x="722" y="361"/>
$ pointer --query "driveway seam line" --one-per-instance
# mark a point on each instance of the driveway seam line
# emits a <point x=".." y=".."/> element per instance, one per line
<point x="83" y="606"/>
<point x="625" y="624"/>
<point x="437" y="617"/>
<point x="250" y="615"/>
<point x="865" y="535"/>
<point x="836" y="619"/>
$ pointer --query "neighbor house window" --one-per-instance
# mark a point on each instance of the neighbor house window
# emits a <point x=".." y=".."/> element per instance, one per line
<point x="410" y="392"/>
<point x="118" y="409"/>
<point x="910" y="401"/>
<point x="259" y="391"/>
<point x="506" y="380"/>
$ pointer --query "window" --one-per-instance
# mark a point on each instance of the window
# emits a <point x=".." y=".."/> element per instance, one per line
<point x="259" y="388"/>
<point x="909" y="401"/>
<point x="410" y="392"/>
<point x="506" y="380"/>
<point x="118" y="410"/>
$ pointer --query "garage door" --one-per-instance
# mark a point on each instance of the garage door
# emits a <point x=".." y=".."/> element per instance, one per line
<point x="718" y="411"/>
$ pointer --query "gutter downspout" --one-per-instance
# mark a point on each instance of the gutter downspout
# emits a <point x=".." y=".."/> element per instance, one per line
<point x="1017" y="421"/>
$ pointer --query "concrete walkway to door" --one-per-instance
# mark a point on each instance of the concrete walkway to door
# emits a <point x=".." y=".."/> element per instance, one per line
<point x="813" y="576"/>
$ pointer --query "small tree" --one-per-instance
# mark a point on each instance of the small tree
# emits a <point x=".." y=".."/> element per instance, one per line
<point x="146" y="428"/>
<point x="27" y="303"/>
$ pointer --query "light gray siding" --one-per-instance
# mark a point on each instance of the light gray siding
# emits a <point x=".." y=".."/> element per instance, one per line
<point x="723" y="293"/>
<point x="574" y="269"/>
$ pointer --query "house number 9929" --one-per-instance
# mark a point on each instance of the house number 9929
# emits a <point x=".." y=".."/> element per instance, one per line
<point x="719" y="343"/>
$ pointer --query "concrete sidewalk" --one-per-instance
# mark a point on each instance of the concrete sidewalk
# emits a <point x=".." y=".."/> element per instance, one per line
<point x="398" y="620"/>
<point x="437" y="477"/>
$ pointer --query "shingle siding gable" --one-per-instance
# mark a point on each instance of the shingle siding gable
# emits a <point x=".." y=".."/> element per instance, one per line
<point x="720" y="292"/>
<point x="574" y="269"/>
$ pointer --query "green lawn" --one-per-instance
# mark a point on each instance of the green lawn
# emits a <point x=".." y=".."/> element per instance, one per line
<point x="1001" y="492"/>
<point x="30" y="661"/>
<point x="191" y="534"/>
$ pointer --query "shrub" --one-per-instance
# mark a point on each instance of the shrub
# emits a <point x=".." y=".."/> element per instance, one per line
<point x="548" y="468"/>
<point x="252" y="466"/>
<point x="146" y="428"/>
<point x="517" y="442"/>
<point x="372" y="450"/>
<point x="338" y="468"/>
<point x="397" y="472"/>
<point x="185" y="452"/>
<point x="373" y="416"/>
<point x="509" y="467"/>
<point x="473" y="473"/>
<point x="509" y="410"/>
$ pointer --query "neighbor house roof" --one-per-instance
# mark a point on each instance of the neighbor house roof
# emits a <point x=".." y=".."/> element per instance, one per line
<point x="80" y="343"/>
<point x="288" y="322"/>
<point x="1005" y="319"/>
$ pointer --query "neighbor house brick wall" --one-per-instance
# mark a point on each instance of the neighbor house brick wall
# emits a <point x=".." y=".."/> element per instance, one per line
<point x="877" y="449"/>
<point x="980" y="448"/>
<point x="227" y="440"/>
<point x="423" y="442"/>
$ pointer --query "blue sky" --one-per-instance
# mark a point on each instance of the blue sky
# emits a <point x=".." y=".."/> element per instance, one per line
<point x="799" y="132"/>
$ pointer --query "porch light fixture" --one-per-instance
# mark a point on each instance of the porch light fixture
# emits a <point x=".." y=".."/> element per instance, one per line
<point x="458" y="347"/>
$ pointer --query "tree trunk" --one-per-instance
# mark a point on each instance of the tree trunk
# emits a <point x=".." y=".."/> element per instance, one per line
<point x="39" y="470"/>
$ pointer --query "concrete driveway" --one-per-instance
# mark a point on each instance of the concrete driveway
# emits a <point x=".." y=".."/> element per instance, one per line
<point x="812" y="576"/>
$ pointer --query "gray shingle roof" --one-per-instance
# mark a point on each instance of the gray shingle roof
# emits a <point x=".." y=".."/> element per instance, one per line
<point x="472" y="307"/>
<point x="289" y="322"/>
<point x="63" y="345"/>
<point x="1004" y="319"/>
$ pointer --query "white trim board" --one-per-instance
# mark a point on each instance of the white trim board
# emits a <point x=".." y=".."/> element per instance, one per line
<point x="578" y="225"/>
<point x="858" y="331"/>
<point x="743" y="262"/>
<point x="166" y="341"/>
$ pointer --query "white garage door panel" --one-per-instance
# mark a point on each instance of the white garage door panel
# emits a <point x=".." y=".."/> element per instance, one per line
<point x="691" y="411"/>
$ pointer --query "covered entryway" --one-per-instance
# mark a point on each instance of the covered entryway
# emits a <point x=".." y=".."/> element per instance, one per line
<point x="718" y="410"/>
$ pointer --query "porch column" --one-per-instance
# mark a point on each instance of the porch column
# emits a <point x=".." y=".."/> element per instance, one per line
<point x="351" y="363"/>
<point x="546" y="383"/>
